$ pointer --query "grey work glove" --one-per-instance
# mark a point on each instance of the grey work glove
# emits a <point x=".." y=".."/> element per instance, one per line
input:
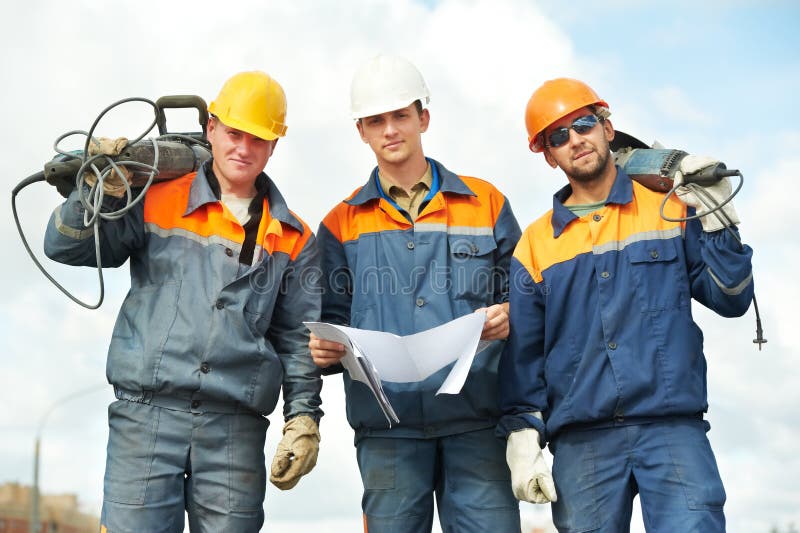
<point x="705" y="198"/>
<point x="531" y="479"/>
<point x="297" y="452"/>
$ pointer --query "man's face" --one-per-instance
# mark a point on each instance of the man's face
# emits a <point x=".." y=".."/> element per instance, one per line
<point x="583" y="157"/>
<point x="395" y="136"/>
<point x="239" y="157"/>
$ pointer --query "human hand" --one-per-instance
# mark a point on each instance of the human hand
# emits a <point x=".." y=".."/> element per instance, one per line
<point x="496" y="326"/>
<point x="704" y="198"/>
<point x="531" y="480"/>
<point x="297" y="452"/>
<point x="325" y="353"/>
<point x="113" y="183"/>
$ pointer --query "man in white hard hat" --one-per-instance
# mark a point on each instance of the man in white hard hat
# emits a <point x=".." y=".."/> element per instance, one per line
<point x="211" y="331"/>
<point x="441" y="246"/>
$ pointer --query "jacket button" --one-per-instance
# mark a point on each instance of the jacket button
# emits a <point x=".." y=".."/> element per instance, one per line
<point x="195" y="404"/>
<point x="596" y="217"/>
<point x="219" y="304"/>
<point x="654" y="254"/>
<point x="205" y="368"/>
<point x="473" y="248"/>
<point x="228" y="252"/>
<point x="605" y="275"/>
<point x="420" y="302"/>
<point x="410" y="245"/>
<point x="612" y="345"/>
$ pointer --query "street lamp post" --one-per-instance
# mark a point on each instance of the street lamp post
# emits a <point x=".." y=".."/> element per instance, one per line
<point x="34" y="525"/>
<point x="35" y="490"/>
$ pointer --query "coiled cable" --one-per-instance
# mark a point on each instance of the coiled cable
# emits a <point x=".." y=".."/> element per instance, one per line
<point x="712" y="207"/>
<point x="91" y="197"/>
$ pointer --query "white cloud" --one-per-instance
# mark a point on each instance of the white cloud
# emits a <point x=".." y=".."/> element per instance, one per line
<point x="482" y="60"/>
<point x="674" y="104"/>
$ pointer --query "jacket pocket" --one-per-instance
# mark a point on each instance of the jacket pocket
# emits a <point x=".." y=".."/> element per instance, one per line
<point x="658" y="274"/>
<point x="140" y="334"/>
<point x="257" y="323"/>
<point x="473" y="272"/>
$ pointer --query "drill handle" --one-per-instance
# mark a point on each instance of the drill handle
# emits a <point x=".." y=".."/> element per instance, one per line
<point x="181" y="101"/>
<point x="705" y="177"/>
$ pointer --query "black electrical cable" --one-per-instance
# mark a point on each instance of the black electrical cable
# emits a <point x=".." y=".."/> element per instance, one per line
<point x="715" y="208"/>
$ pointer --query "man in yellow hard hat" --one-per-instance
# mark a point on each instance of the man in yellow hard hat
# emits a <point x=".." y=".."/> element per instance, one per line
<point x="413" y="248"/>
<point x="210" y="332"/>
<point x="604" y="361"/>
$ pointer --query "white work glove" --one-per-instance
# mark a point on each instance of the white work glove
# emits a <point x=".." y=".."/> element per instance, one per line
<point x="531" y="479"/>
<point x="297" y="452"/>
<point x="705" y="198"/>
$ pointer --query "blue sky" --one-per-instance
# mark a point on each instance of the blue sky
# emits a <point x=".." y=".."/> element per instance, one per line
<point x="716" y="78"/>
<point x="735" y="58"/>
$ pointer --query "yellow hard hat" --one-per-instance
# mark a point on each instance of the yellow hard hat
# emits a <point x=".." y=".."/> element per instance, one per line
<point x="252" y="102"/>
<point x="554" y="100"/>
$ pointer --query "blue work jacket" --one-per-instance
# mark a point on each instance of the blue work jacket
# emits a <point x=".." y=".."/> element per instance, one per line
<point x="601" y="321"/>
<point x="383" y="272"/>
<point x="199" y="325"/>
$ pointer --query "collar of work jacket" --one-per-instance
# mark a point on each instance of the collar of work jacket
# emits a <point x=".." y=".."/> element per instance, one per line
<point x="449" y="183"/>
<point x="621" y="193"/>
<point x="202" y="193"/>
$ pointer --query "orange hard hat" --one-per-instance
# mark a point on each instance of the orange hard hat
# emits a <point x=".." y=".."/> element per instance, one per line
<point x="553" y="100"/>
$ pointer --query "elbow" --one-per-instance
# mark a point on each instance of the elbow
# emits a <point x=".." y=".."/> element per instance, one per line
<point x="738" y="310"/>
<point x="52" y="249"/>
<point x="62" y="249"/>
<point x="738" y="305"/>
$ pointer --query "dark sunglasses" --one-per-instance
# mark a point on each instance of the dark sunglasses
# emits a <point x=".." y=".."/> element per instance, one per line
<point x="581" y="125"/>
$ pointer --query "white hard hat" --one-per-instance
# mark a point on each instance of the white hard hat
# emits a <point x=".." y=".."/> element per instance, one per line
<point x="385" y="83"/>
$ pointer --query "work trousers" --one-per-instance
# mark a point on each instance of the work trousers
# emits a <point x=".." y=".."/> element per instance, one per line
<point x="162" y="462"/>
<point x="466" y="472"/>
<point x="597" y="473"/>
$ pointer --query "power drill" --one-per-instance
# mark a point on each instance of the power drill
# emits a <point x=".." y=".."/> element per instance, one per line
<point x="655" y="168"/>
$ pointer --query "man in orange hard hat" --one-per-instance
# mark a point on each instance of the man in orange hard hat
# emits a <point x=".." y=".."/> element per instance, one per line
<point x="604" y="361"/>
<point x="210" y="332"/>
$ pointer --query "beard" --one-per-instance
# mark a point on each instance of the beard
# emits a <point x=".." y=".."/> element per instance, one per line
<point x="593" y="172"/>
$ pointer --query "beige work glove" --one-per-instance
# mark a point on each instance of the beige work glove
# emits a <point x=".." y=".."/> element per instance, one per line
<point x="112" y="184"/>
<point x="705" y="198"/>
<point x="531" y="479"/>
<point x="297" y="452"/>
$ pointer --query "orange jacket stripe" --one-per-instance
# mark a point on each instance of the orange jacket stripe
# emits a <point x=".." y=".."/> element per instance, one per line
<point x="606" y="237"/>
<point x="213" y="222"/>
<point x="473" y="217"/>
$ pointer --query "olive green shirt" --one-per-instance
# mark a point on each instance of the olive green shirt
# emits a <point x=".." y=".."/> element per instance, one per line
<point x="585" y="209"/>
<point x="410" y="203"/>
